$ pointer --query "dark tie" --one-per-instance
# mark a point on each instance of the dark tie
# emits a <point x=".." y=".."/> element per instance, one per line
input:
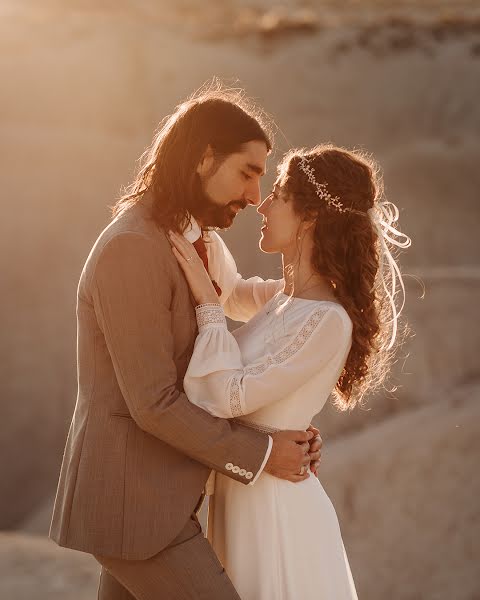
<point x="201" y="249"/>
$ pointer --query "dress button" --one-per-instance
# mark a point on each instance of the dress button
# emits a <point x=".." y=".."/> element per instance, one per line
<point x="242" y="472"/>
<point x="249" y="475"/>
<point x="236" y="469"/>
<point x="229" y="466"/>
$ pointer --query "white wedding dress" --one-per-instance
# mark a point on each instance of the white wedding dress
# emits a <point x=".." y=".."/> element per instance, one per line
<point x="277" y="540"/>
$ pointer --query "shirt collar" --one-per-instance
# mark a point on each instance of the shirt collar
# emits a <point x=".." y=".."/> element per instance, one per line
<point x="192" y="231"/>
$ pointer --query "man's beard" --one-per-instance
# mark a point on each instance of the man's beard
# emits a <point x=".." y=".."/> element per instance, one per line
<point x="210" y="214"/>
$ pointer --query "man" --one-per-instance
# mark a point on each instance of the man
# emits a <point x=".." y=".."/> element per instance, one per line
<point x="138" y="453"/>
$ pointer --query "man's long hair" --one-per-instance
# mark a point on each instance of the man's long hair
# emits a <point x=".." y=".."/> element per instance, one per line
<point x="215" y="115"/>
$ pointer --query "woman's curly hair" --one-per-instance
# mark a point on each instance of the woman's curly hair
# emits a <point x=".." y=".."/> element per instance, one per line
<point x="347" y="253"/>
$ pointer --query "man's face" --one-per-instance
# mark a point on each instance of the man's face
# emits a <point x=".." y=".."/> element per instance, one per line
<point x="232" y="186"/>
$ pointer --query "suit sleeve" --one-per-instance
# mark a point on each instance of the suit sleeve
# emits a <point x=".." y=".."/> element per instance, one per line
<point x="132" y="292"/>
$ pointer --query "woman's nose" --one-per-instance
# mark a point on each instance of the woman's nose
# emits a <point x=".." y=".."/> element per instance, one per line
<point x="263" y="205"/>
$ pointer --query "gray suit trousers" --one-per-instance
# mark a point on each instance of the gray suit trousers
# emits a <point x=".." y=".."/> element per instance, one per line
<point x="187" y="569"/>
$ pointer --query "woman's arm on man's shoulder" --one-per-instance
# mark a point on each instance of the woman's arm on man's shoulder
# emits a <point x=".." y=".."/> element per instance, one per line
<point x="241" y="298"/>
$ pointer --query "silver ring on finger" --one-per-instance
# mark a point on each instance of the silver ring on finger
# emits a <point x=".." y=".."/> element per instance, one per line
<point x="189" y="258"/>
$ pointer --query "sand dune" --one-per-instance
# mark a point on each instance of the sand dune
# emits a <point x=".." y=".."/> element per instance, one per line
<point x="406" y="492"/>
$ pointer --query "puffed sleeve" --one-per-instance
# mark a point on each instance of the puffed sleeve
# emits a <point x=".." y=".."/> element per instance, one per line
<point x="241" y="298"/>
<point x="219" y="382"/>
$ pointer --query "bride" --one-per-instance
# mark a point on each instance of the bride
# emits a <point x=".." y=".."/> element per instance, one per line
<point x="325" y="328"/>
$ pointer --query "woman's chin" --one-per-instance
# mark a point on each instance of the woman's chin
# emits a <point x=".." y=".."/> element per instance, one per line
<point x="265" y="246"/>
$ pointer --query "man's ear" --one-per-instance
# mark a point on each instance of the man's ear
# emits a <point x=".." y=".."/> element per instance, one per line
<point x="206" y="162"/>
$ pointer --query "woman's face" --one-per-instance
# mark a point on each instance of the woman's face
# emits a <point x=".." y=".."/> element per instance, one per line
<point x="281" y="225"/>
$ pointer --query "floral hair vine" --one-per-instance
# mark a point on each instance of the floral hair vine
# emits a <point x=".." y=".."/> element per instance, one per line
<point x="322" y="191"/>
<point x="382" y="215"/>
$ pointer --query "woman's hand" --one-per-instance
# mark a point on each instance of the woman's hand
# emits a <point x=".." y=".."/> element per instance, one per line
<point x="195" y="273"/>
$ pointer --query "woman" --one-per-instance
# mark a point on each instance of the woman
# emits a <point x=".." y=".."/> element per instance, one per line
<point x="327" y="331"/>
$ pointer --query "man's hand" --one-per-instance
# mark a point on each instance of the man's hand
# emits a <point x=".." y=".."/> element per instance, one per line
<point x="315" y="451"/>
<point x="290" y="455"/>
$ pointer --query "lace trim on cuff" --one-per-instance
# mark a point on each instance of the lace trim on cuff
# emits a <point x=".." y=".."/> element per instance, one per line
<point x="235" y="403"/>
<point x="210" y="313"/>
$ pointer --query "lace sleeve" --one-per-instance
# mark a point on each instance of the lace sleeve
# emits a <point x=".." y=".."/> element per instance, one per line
<point x="276" y="360"/>
<point x="218" y="381"/>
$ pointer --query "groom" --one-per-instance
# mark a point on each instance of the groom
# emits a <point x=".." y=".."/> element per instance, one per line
<point x="138" y="453"/>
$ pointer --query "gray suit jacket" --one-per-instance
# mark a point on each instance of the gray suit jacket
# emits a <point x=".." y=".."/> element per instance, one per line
<point x="138" y="453"/>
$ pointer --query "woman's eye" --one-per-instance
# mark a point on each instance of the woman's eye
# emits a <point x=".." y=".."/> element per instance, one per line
<point x="246" y="175"/>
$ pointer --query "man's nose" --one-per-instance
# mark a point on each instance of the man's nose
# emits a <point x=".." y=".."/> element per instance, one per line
<point x="253" y="196"/>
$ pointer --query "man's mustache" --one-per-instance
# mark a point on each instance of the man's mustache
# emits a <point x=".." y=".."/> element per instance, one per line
<point x="238" y="203"/>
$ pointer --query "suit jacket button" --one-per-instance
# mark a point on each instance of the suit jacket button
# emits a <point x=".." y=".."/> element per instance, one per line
<point x="235" y="469"/>
<point x="242" y="472"/>
<point x="249" y="475"/>
<point x="229" y="466"/>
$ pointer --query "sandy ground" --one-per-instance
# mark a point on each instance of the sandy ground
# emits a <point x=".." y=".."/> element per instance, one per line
<point x="35" y="567"/>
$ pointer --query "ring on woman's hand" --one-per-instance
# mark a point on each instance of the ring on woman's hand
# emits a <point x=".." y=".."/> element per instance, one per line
<point x="189" y="258"/>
